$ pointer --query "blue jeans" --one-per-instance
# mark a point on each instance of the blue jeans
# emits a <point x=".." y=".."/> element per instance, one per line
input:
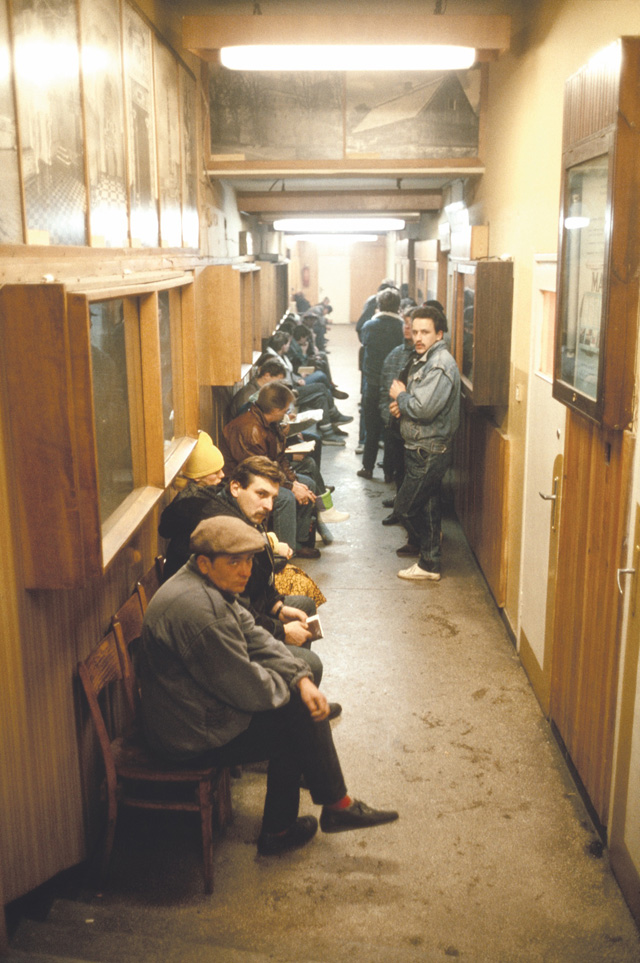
<point x="291" y="521"/>
<point x="419" y="502"/>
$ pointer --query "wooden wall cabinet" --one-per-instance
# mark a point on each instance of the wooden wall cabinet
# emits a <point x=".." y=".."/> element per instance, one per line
<point x="599" y="263"/>
<point x="91" y="446"/>
<point x="405" y="268"/>
<point x="430" y="273"/>
<point x="274" y="296"/>
<point x="481" y="329"/>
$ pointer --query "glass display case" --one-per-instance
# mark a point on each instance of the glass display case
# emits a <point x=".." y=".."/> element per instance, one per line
<point x="480" y="329"/>
<point x="598" y="266"/>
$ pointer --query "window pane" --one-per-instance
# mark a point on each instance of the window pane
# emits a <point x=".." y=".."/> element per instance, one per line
<point x="111" y="403"/>
<point x="166" y="364"/>
<point x="584" y="247"/>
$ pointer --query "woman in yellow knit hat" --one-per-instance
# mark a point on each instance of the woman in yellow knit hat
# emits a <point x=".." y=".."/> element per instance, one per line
<point x="197" y="484"/>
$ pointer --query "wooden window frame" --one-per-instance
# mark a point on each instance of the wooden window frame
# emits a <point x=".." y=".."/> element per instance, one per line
<point x="64" y="541"/>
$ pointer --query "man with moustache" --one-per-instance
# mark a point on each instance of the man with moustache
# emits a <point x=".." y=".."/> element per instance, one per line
<point x="426" y="399"/>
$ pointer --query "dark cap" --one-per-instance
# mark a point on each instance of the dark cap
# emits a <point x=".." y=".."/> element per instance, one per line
<point x="225" y="535"/>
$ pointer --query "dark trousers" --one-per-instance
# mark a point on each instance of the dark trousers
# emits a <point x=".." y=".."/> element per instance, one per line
<point x="393" y="458"/>
<point x="419" y="502"/>
<point x="295" y="745"/>
<point x="373" y="426"/>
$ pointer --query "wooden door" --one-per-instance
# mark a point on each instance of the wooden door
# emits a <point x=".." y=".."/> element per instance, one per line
<point x="588" y="609"/>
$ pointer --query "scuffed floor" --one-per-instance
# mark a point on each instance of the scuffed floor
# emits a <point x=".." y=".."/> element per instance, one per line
<point x="490" y="861"/>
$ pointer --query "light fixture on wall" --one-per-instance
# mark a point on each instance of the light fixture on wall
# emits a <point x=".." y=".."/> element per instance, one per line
<point x="347" y="41"/>
<point x="338" y="225"/>
<point x="348" y="57"/>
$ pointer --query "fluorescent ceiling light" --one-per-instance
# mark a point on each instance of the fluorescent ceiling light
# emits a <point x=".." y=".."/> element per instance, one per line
<point x="576" y="223"/>
<point x="348" y="57"/>
<point x="338" y="225"/>
<point x="334" y="240"/>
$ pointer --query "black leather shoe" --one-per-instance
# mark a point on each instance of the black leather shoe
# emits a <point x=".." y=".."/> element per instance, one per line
<point x="356" y="816"/>
<point x="364" y="473"/>
<point x="391" y="519"/>
<point x="388" y="502"/>
<point x="306" y="552"/>
<point x="304" y="829"/>
<point x="408" y="551"/>
<point x="342" y="420"/>
<point x="335" y="710"/>
<point x="340" y="395"/>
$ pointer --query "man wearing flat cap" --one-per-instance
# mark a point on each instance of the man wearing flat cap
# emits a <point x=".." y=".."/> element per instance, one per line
<point x="218" y="688"/>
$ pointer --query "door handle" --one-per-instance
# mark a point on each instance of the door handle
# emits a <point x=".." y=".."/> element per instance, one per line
<point x="554" y="499"/>
<point x="624" y="571"/>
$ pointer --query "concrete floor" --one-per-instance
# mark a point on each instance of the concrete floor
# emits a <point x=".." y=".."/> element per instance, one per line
<point x="491" y="860"/>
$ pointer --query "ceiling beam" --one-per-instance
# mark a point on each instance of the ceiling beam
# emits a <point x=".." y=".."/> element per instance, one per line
<point x="205" y="35"/>
<point x="337" y="202"/>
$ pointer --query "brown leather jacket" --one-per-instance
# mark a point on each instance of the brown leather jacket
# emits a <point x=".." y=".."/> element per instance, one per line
<point x="250" y="434"/>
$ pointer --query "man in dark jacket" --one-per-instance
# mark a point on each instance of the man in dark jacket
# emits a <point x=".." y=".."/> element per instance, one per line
<point x="218" y="689"/>
<point x="379" y="336"/>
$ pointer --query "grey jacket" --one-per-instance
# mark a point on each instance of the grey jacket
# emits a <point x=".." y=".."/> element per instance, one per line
<point x="395" y="362"/>
<point x="206" y="667"/>
<point x="430" y="407"/>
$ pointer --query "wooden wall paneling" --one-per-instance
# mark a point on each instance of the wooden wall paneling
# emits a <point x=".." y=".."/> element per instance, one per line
<point x="218" y="319"/>
<point x="184" y="347"/>
<point x="38" y="373"/>
<point x="621" y="858"/>
<point x="90" y="546"/>
<point x="257" y="311"/>
<point x="246" y="317"/>
<point x="492" y="336"/>
<point x="481" y="467"/>
<point x="151" y="381"/>
<point x="588" y="605"/>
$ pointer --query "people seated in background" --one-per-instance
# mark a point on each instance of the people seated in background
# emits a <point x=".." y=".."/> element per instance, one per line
<point x="258" y="431"/>
<point x="379" y="335"/>
<point x="218" y="689"/>
<point x="301" y="303"/>
<point x="270" y="370"/>
<point x="315" y="395"/>
<point x="197" y="485"/>
<point x="392" y="368"/>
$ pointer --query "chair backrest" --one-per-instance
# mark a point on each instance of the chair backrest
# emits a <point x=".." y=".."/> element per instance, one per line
<point x="151" y="581"/>
<point x="101" y="668"/>
<point x="127" y="625"/>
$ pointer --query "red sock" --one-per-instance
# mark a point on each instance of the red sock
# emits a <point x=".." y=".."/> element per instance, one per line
<point x="343" y="803"/>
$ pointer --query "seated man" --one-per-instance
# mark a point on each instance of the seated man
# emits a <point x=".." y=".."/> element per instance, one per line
<point x="218" y="689"/>
<point x="258" y="432"/>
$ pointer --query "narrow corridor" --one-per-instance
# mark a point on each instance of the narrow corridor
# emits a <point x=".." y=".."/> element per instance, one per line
<point x="492" y="860"/>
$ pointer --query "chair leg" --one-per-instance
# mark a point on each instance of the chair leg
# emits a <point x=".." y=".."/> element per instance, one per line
<point x="110" y="832"/>
<point x="223" y="798"/>
<point x="206" y="817"/>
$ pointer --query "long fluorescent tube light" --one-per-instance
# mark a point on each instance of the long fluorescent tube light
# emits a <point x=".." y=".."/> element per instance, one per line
<point x="338" y="225"/>
<point x="348" y="57"/>
<point x="338" y="239"/>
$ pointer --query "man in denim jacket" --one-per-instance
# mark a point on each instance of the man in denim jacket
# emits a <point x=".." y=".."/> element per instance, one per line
<point x="428" y="406"/>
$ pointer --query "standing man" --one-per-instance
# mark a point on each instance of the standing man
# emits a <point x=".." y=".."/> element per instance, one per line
<point x="216" y="687"/>
<point x="379" y="336"/>
<point x="428" y="407"/>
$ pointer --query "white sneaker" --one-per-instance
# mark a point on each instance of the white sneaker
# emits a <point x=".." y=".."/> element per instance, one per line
<point x="359" y="449"/>
<point x="331" y="515"/>
<point x="417" y="574"/>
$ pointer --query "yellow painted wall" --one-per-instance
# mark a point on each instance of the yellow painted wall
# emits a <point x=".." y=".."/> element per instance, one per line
<point x="519" y="194"/>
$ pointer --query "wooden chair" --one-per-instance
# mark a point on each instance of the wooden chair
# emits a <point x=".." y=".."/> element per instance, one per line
<point x="150" y="581"/>
<point x="130" y="768"/>
<point x="127" y="625"/>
